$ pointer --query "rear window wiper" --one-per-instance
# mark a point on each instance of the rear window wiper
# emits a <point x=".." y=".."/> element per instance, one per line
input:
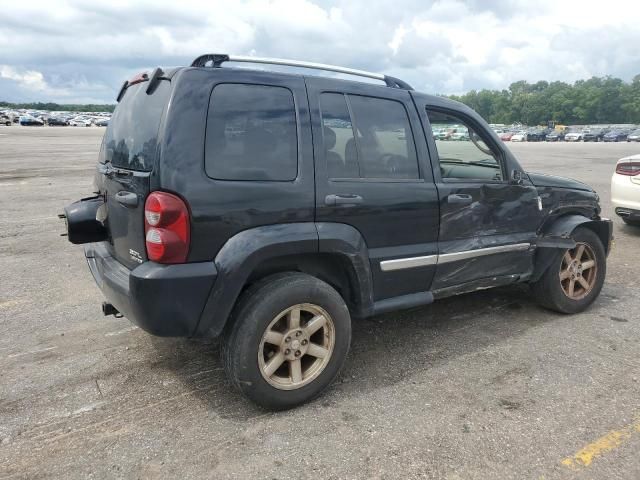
<point x="153" y="79"/>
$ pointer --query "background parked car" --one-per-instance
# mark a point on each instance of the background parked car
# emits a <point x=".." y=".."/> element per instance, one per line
<point x="80" y="122"/>
<point x="594" y="134"/>
<point x="101" y="122"/>
<point x="537" y="135"/>
<point x="506" y="136"/>
<point x="625" y="189"/>
<point x="573" y="137"/>
<point x="616" y="136"/>
<point x="460" y="134"/>
<point x="5" y="120"/>
<point x="555" y="136"/>
<point x="57" y="122"/>
<point x="446" y="133"/>
<point x="519" y="137"/>
<point x="634" y="136"/>
<point x="29" y="121"/>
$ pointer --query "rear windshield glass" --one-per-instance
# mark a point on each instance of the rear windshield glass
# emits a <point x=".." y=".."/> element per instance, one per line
<point x="132" y="136"/>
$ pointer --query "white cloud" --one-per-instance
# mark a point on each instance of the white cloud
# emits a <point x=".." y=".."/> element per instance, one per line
<point x="76" y="49"/>
<point x="31" y="79"/>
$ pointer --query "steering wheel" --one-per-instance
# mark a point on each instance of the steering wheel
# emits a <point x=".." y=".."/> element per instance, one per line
<point x="475" y="139"/>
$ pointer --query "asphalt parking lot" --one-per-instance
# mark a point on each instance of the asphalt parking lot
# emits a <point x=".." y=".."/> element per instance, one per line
<point x="486" y="385"/>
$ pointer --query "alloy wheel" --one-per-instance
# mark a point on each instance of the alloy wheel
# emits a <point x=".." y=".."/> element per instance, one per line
<point x="296" y="346"/>
<point x="578" y="271"/>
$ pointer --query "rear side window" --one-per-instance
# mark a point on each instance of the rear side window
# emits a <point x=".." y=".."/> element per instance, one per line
<point x="251" y="133"/>
<point x="374" y="141"/>
<point x="130" y="141"/>
<point x="337" y="132"/>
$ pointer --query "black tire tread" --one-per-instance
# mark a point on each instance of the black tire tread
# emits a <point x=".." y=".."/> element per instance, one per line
<point x="238" y="327"/>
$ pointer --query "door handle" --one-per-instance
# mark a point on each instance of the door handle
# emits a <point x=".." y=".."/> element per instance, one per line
<point x="128" y="199"/>
<point x="459" y="199"/>
<point x="346" y="199"/>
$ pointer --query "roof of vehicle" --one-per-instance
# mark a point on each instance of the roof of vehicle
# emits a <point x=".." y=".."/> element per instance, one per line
<point x="217" y="59"/>
<point x="214" y="60"/>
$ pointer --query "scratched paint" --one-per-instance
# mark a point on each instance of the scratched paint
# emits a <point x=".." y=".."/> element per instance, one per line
<point x="612" y="440"/>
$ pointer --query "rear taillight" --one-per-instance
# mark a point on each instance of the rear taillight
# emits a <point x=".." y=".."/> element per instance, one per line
<point x="166" y="227"/>
<point x="630" y="169"/>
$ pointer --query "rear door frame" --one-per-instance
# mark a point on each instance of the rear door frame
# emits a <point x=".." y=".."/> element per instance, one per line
<point x="398" y="268"/>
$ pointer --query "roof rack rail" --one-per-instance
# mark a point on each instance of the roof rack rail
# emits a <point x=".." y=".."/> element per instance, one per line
<point x="217" y="59"/>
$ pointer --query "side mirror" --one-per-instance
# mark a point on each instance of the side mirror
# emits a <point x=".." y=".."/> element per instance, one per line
<point x="517" y="177"/>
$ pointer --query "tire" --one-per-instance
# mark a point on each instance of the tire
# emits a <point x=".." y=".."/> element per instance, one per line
<point x="550" y="290"/>
<point x="633" y="223"/>
<point x="246" y="354"/>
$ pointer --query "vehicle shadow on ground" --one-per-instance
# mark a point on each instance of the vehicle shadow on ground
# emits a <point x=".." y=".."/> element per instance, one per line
<point x="632" y="230"/>
<point x="385" y="350"/>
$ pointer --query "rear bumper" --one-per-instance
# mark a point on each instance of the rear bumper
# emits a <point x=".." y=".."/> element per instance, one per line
<point x="625" y="193"/>
<point x="628" y="213"/>
<point x="164" y="300"/>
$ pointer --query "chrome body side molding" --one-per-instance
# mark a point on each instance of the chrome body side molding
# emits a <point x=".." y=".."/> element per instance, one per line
<point x="413" y="262"/>
<point x="410" y="262"/>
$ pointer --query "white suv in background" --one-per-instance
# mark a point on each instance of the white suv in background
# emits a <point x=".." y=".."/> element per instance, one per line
<point x="625" y="189"/>
<point x="573" y="137"/>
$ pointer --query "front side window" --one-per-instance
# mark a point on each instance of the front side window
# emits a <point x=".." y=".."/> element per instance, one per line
<point x="251" y="133"/>
<point x="462" y="153"/>
<point x="374" y="141"/>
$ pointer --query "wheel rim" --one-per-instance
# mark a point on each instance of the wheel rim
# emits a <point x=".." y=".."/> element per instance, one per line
<point x="578" y="271"/>
<point x="296" y="346"/>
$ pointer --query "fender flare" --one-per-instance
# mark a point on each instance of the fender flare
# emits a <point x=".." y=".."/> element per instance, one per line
<point x="556" y="237"/>
<point x="242" y="253"/>
<point x="347" y="242"/>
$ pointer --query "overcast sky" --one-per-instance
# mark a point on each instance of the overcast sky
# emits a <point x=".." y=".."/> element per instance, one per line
<point x="82" y="51"/>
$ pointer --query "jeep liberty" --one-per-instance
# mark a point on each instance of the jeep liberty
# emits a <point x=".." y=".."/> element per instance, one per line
<point x="270" y="208"/>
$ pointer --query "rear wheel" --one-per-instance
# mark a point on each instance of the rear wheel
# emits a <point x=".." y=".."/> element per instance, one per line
<point x="288" y="338"/>
<point x="633" y="223"/>
<point x="575" y="278"/>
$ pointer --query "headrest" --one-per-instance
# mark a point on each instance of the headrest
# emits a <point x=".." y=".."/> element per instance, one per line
<point x="329" y="138"/>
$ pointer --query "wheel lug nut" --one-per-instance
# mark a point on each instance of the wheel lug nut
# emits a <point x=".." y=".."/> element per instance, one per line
<point x="304" y="342"/>
<point x="287" y="351"/>
<point x="298" y="333"/>
<point x="297" y="354"/>
<point x="288" y="339"/>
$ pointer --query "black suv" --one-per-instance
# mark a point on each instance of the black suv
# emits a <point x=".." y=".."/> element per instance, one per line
<point x="272" y="208"/>
<point x="594" y="135"/>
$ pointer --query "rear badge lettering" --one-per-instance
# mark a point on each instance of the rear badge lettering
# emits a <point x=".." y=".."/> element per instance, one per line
<point x="135" y="256"/>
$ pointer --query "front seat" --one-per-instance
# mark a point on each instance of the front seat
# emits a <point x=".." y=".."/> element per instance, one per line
<point x="351" y="160"/>
<point x="335" y="163"/>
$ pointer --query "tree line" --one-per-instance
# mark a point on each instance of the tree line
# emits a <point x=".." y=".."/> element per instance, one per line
<point x="598" y="100"/>
<point x="59" y="107"/>
<point x="592" y="101"/>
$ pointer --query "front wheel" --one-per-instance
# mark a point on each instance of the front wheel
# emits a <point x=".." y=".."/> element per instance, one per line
<point x="575" y="278"/>
<point x="287" y="340"/>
